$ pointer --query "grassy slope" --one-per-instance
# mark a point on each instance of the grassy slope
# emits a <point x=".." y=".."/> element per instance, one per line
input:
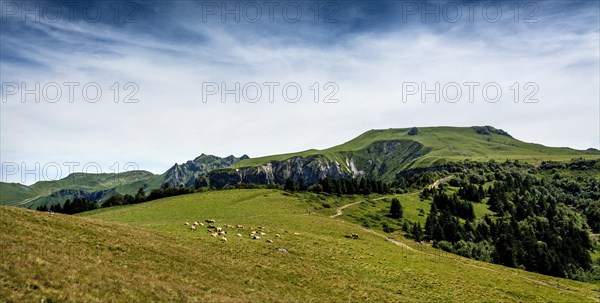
<point x="153" y="257"/>
<point x="414" y="210"/>
<point x="12" y="193"/>
<point x="444" y="143"/>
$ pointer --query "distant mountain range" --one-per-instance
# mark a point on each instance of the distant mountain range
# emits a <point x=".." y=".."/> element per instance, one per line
<point x="380" y="154"/>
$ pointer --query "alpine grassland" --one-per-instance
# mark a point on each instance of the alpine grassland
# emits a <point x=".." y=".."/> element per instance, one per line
<point x="146" y="252"/>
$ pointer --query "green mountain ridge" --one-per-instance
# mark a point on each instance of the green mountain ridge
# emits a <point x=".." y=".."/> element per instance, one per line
<point x="386" y="153"/>
<point x="98" y="187"/>
<point x="16" y="194"/>
<point x="477" y="142"/>
<point x="380" y="154"/>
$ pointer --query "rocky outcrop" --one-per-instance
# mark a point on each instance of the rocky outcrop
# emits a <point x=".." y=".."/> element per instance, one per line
<point x="413" y="131"/>
<point x="187" y="172"/>
<point x="486" y="130"/>
<point x="310" y="169"/>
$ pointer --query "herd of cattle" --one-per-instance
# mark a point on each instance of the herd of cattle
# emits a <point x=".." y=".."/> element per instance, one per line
<point x="222" y="231"/>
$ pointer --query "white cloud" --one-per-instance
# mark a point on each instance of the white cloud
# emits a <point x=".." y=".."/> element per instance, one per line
<point x="172" y="124"/>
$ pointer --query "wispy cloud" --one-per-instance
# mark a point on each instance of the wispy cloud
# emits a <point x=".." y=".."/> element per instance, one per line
<point x="170" y="51"/>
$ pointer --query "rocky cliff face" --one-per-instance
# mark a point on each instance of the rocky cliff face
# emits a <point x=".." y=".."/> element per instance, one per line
<point x="311" y="169"/>
<point x="187" y="172"/>
<point x="378" y="160"/>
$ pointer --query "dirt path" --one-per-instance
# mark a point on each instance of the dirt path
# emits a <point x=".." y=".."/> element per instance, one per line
<point x="339" y="210"/>
<point x="466" y="262"/>
<point x="389" y="239"/>
<point x="440" y="181"/>
<point x="455" y="258"/>
<point x="28" y="200"/>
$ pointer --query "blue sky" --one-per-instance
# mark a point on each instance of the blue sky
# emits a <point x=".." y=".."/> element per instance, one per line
<point x="363" y="54"/>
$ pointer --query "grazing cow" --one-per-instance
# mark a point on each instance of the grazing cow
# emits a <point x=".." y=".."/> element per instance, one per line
<point x="228" y="226"/>
<point x="252" y="233"/>
<point x="269" y="241"/>
<point x="193" y="228"/>
<point x="211" y="226"/>
<point x="209" y="221"/>
<point x="277" y="235"/>
<point x="222" y="233"/>
<point x="239" y="226"/>
<point x="263" y="234"/>
<point x="214" y="234"/>
<point x="219" y="229"/>
<point x="196" y="223"/>
<point x="186" y="223"/>
<point x="256" y="238"/>
<point x="201" y="224"/>
<point x="239" y="235"/>
<point x="297" y="234"/>
<point x="259" y="227"/>
<point x="224" y="239"/>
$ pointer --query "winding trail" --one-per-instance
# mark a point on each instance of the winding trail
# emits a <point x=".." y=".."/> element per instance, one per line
<point x="21" y="203"/>
<point x="339" y="210"/>
<point x="389" y="239"/>
<point x="440" y="181"/>
<point x="456" y="258"/>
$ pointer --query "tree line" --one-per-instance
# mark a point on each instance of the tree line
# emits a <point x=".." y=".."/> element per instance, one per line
<point x="540" y="220"/>
<point x="81" y="204"/>
<point x="341" y="186"/>
<point x="77" y="205"/>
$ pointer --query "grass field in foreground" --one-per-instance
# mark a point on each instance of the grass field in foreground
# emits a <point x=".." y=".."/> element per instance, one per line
<point x="144" y="253"/>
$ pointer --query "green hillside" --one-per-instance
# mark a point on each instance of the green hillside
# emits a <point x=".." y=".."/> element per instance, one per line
<point x="15" y="194"/>
<point x="443" y="144"/>
<point x="97" y="187"/>
<point x="144" y="253"/>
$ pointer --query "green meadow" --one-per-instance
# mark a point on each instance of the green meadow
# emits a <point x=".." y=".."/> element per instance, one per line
<point x="145" y="253"/>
